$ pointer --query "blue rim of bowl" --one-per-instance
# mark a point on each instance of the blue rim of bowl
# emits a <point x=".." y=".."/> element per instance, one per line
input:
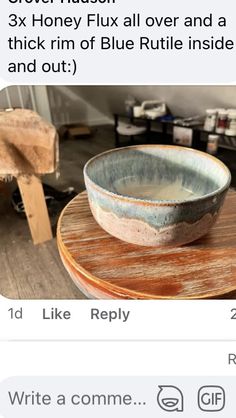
<point x="156" y="201"/>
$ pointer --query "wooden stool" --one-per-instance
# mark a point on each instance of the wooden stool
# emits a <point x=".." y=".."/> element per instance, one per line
<point x="28" y="149"/>
<point x="105" y="267"/>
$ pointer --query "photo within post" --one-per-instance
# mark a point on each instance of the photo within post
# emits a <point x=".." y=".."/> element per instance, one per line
<point x="118" y="192"/>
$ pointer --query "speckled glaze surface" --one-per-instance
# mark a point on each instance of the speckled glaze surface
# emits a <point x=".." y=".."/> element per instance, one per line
<point x="153" y="222"/>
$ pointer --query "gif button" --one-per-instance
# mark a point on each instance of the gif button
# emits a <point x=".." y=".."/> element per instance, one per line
<point x="211" y="398"/>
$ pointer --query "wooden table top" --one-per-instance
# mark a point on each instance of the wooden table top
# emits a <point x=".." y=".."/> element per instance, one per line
<point x="105" y="267"/>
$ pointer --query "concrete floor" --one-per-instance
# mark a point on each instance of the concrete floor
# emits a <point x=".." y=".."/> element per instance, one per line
<point x="36" y="272"/>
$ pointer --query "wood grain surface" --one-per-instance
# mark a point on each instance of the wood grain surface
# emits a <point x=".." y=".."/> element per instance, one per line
<point x="35" y="208"/>
<point x="28" y="143"/>
<point x="105" y="267"/>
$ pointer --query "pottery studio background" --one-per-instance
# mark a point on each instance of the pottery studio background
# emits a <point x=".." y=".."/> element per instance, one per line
<point x="90" y="120"/>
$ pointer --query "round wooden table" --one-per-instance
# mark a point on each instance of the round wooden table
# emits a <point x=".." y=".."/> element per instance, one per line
<point x="104" y="267"/>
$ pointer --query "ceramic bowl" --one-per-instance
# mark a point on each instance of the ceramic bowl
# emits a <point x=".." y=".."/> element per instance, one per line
<point x="156" y="195"/>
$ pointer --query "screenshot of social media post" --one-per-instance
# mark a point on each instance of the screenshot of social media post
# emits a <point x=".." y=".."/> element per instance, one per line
<point x="117" y="208"/>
